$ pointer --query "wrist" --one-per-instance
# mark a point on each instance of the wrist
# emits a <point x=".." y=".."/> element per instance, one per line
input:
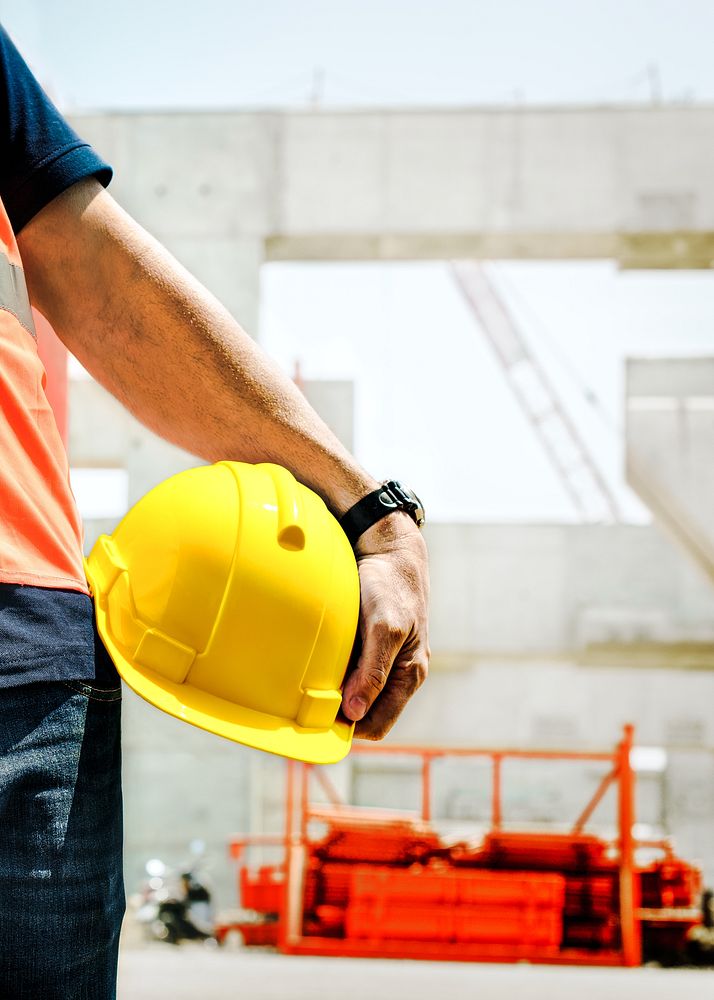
<point x="349" y="491"/>
<point x="387" y="533"/>
<point x="390" y="498"/>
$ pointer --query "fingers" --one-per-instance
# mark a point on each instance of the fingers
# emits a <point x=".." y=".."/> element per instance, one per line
<point x="408" y="673"/>
<point x="392" y="652"/>
<point x="380" y="644"/>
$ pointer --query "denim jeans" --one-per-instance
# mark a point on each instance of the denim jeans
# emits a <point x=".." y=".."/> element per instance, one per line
<point x="61" y="885"/>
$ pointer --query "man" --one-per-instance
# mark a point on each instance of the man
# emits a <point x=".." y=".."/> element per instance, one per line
<point x="156" y="339"/>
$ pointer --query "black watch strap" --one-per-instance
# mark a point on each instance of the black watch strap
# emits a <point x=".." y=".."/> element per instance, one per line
<point x="389" y="497"/>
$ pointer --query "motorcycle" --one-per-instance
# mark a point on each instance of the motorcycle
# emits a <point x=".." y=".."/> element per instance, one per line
<point x="175" y="906"/>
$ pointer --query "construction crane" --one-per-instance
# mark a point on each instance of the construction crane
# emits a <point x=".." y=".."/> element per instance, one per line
<point x="565" y="448"/>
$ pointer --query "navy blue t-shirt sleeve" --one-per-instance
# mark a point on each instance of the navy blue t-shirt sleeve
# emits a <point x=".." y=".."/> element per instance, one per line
<point x="40" y="154"/>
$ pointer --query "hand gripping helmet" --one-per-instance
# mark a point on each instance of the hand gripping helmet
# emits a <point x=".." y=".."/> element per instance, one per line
<point x="228" y="596"/>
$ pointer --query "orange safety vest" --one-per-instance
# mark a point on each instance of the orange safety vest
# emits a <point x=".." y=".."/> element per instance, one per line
<point x="40" y="528"/>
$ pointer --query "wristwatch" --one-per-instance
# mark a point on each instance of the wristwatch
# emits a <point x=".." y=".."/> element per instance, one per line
<point x="390" y="496"/>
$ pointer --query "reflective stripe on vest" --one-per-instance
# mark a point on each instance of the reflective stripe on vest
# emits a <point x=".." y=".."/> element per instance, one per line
<point x="40" y="529"/>
<point x="13" y="294"/>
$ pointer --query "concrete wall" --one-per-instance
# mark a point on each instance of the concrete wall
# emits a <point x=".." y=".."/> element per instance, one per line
<point x="541" y="634"/>
<point x="226" y="191"/>
<point x="670" y="432"/>
<point x="580" y="590"/>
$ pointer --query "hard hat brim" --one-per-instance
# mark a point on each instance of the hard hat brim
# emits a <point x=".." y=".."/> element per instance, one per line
<point x="226" y="719"/>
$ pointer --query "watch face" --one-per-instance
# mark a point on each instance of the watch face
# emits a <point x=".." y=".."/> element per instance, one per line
<point x="409" y="501"/>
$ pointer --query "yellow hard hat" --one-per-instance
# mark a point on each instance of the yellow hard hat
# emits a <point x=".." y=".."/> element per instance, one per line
<point x="228" y="596"/>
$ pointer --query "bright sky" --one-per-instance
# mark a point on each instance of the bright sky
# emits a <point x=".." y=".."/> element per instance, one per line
<point x="174" y="53"/>
<point x="432" y="406"/>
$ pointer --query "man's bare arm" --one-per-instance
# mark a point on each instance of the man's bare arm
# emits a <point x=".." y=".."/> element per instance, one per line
<point x="166" y="348"/>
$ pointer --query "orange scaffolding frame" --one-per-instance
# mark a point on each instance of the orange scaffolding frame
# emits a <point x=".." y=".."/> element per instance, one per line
<point x="299" y="811"/>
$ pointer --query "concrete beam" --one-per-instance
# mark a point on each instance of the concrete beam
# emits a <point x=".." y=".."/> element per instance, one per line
<point x="631" y="183"/>
<point x="669" y="447"/>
